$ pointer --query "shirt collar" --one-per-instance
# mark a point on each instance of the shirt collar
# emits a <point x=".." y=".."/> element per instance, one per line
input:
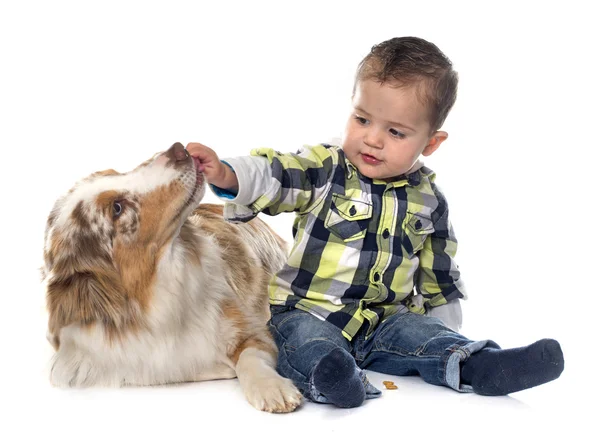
<point x="350" y="168"/>
<point x="412" y="176"/>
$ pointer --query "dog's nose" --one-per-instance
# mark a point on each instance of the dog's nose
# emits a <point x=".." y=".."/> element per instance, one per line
<point x="177" y="153"/>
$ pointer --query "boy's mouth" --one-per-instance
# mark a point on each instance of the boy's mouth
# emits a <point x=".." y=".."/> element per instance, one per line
<point x="370" y="159"/>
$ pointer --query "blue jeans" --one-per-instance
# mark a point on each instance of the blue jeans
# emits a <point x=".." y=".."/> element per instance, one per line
<point x="405" y="344"/>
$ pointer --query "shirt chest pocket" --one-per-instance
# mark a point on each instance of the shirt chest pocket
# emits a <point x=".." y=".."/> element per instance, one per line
<point x="416" y="228"/>
<point x="348" y="218"/>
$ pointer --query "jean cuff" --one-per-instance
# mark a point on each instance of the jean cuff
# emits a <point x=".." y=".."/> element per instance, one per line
<point x="449" y="371"/>
<point x="370" y="390"/>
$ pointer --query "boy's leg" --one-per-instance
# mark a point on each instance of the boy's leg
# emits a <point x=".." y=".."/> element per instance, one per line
<point x="410" y="344"/>
<point x="316" y="357"/>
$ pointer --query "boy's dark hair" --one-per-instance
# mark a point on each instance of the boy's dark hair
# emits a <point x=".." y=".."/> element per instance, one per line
<point x="414" y="61"/>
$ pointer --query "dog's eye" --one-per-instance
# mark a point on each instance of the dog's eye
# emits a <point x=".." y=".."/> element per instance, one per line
<point x="117" y="209"/>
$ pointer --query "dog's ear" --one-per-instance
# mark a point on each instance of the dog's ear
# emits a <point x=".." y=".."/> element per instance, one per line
<point x="101" y="173"/>
<point x="85" y="298"/>
<point x="107" y="172"/>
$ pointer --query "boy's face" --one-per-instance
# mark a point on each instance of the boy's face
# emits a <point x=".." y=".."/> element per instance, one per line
<point x="388" y="130"/>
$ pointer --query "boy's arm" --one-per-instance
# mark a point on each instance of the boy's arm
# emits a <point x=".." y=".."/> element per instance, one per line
<point x="272" y="182"/>
<point x="438" y="280"/>
<point x="253" y="175"/>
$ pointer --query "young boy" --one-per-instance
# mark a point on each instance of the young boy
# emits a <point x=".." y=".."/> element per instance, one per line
<point x="371" y="282"/>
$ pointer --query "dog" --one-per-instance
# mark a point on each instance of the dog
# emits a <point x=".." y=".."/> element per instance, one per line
<point x="146" y="287"/>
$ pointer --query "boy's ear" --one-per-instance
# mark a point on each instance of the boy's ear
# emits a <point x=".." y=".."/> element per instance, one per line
<point x="435" y="141"/>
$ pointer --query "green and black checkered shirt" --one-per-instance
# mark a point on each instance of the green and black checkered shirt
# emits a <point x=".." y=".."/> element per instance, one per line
<point x="363" y="248"/>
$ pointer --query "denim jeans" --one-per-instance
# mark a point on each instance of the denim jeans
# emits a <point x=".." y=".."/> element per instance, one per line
<point x="404" y="344"/>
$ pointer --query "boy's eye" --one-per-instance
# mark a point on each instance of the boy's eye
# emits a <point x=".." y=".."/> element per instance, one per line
<point x="397" y="133"/>
<point x="361" y="120"/>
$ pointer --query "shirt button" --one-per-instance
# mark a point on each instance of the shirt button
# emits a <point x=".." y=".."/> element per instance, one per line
<point x="418" y="225"/>
<point x="352" y="210"/>
<point x="376" y="276"/>
<point x="386" y="233"/>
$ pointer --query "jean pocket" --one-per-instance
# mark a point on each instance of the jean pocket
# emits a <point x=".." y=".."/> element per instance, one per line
<point x="348" y="218"/>
<point x="276" y="310"/>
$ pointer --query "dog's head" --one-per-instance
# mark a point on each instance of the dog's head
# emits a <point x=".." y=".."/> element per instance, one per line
<point x="104" y="237"/>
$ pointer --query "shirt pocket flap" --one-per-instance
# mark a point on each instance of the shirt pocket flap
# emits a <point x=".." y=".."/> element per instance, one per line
<point x="351" y="209"/>
<point x="348" y="218"/>
<point x="420" y="224"/>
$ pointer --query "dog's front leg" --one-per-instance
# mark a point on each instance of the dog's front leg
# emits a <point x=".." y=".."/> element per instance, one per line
<point x="264" y="388"/>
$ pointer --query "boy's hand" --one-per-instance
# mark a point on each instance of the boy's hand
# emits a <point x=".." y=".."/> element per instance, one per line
<point x="214" y="170"/>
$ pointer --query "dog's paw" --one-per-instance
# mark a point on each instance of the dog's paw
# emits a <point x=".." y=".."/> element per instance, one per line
<point x="68" y="373"/>
<point x="72" y="371"/>
<point x="273" y="394"/>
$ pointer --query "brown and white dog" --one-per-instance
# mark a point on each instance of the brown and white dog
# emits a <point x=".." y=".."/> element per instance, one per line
<point x="143" y="288"/>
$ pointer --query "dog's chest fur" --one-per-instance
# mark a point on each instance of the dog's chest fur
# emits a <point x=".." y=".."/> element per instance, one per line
<point x="184" y="333"/>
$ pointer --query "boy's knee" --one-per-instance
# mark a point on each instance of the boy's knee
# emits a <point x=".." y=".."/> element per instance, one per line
<point x="410" y="333"/>
<point x="296" y="328"/>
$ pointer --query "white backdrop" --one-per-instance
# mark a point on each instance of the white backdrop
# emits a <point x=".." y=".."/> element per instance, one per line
<point x="86" y="86"/>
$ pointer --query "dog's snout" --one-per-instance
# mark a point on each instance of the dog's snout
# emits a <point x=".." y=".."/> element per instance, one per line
<point x="177" y="153"/>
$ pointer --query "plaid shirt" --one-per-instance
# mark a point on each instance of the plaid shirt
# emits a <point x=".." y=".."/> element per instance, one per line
<point x="363" y="249"/>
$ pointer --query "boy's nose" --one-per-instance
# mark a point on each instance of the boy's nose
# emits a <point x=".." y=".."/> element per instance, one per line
<point x="373" y="139"/>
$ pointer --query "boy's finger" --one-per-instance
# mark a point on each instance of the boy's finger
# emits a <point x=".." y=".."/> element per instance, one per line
<point x="196" y="149"/>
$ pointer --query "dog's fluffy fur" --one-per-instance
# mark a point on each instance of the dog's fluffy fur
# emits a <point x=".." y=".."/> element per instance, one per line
<point x="144" y="289"/>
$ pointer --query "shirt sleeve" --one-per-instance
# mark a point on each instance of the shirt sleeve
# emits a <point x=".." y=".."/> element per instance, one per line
<point x="254" y="176"/>
<point x="292" y="182"/>
<point x="438" y="277"/>
<point x="450" y="314"/>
